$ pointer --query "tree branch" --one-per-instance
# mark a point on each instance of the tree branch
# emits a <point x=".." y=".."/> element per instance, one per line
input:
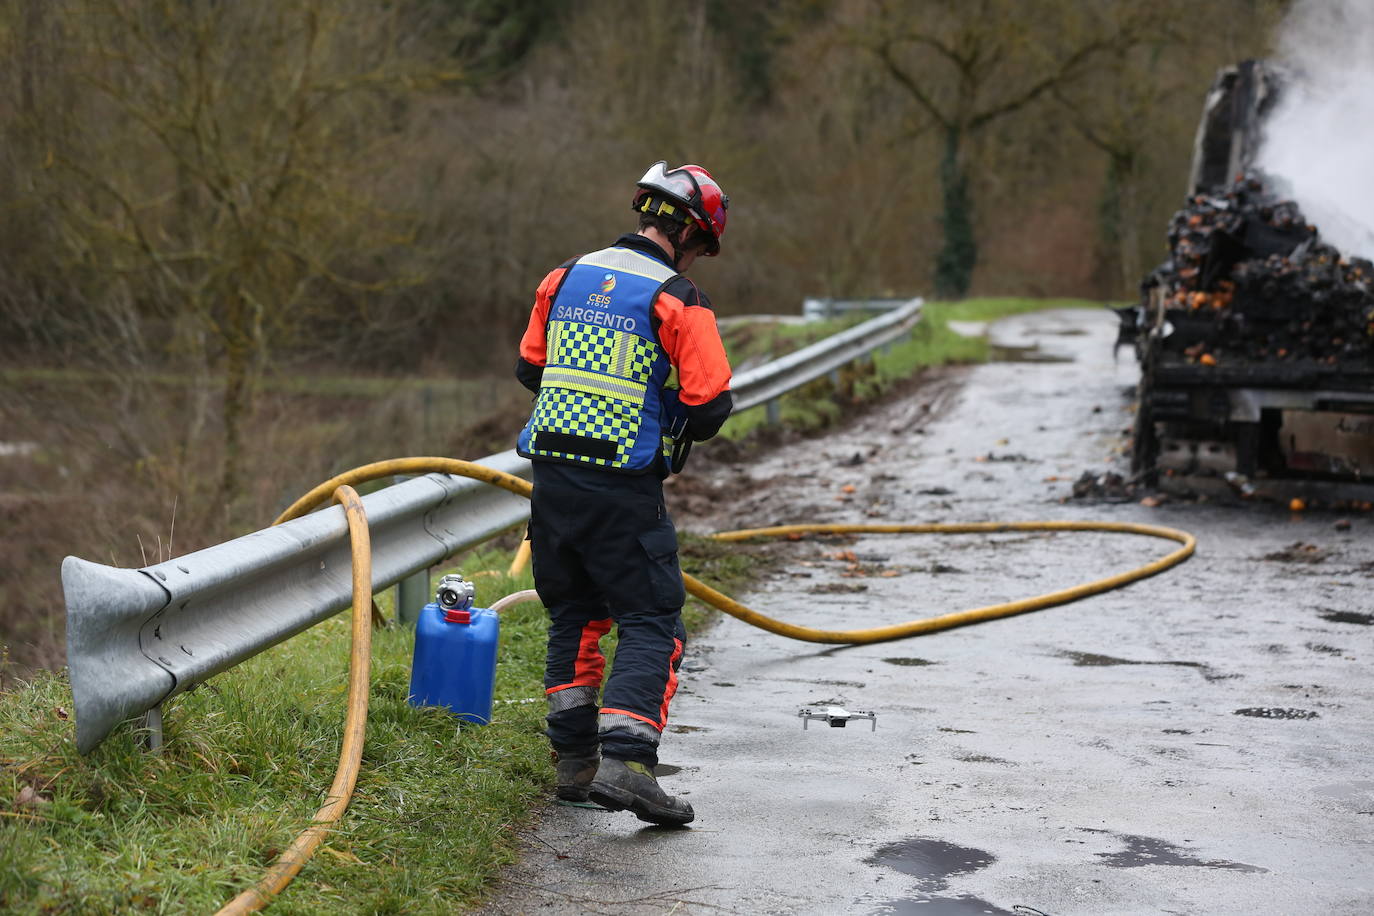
<point x="884" y="52"/>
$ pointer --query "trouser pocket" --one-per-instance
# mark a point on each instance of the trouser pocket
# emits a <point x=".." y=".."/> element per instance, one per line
<point x="665" y="576"/>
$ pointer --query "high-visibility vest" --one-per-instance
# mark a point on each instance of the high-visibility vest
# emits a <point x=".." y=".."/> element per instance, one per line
<point x="600" y="402"/>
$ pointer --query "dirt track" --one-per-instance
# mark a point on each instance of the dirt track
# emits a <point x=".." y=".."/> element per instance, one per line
<point x="1196" y="743"/>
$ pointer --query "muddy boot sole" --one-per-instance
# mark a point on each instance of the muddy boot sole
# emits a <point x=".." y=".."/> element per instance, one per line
<point x="571" y="793"/>
<point x="613" y="798"/>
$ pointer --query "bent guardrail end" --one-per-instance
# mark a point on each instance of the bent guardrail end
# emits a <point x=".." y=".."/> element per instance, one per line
<point x="111" y="678"/>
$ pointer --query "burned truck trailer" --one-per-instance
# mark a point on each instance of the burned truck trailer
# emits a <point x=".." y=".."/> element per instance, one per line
<point x="1255" y="338"/>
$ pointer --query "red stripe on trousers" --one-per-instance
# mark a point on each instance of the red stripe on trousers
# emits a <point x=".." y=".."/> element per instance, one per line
<point x="672" y="684"/>
<point x="590" y="664"/>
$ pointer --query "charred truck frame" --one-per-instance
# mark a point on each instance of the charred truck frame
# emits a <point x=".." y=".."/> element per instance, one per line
<point x="1255" y="339"/>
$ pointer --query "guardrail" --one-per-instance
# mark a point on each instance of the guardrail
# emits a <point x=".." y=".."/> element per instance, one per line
<point x="766" y="383"/>
<point x="816" y="308"/>
<point x="138" y="637"/>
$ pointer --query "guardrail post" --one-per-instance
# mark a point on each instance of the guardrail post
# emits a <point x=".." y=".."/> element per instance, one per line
<point x="152" y="729"/>
<point x="412" y="594"/>
<point x="773" y="412"/>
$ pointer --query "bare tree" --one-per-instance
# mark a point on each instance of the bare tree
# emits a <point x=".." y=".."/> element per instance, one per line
<point x="965" y="65"/>
<point x="212" y="180"/>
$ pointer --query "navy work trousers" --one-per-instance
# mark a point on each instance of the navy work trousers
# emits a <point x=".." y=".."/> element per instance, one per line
<point x="605" y="551"/>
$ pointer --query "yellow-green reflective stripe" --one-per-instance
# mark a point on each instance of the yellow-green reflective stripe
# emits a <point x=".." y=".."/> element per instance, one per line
<point x="594" y="383"/>
<point x="554" y="338"/>
<point x="620" y="354"/>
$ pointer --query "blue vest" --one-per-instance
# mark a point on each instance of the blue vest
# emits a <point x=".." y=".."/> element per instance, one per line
<point x="601" y="399"/>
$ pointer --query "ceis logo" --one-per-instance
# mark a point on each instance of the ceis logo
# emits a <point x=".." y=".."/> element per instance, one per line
<point x="603" y="298"/>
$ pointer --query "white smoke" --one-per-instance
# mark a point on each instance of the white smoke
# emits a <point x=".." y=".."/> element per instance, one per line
<point x="1319" y="140"/>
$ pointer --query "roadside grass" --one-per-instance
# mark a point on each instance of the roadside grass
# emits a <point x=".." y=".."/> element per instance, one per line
<point x="247" y="760"/>
<point x="931" y="343"/>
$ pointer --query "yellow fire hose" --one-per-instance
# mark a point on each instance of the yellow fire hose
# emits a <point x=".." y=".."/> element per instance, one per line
<point x="340" y="488"/>
<point x="290" y="862"/>
<point x="732" y="607"/>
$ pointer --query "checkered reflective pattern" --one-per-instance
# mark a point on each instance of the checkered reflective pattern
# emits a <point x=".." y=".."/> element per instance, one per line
<point x="586" y="346"/>
<point x="579" y="414"/>
<point x="641" y="359"/>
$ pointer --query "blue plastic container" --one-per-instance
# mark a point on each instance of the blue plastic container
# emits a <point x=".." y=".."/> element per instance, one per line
<point x="455" y="661"/>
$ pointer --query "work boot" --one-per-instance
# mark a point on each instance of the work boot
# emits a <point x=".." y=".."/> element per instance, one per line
<point x="574" y="771"/>
<point x="621" y="784"/>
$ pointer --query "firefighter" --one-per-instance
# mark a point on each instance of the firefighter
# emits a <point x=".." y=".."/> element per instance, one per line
<point x="623" y="353"/>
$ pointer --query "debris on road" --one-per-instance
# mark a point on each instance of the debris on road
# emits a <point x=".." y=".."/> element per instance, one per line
<point x="1274" y="712"/>
<point x="1297" y="552"/>
<point x="1109" y="487"/>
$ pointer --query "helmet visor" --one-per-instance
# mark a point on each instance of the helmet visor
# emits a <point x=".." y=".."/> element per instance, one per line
<point x="678" y="183"/>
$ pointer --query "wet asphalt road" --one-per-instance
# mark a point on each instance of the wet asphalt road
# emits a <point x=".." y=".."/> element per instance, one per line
<point x="1200" y="742"/>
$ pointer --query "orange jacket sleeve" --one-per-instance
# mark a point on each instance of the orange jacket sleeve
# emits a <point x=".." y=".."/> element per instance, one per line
<point x="534" y="345"/>
<point x="529" y="369"/>
<point x="687" y="330"/>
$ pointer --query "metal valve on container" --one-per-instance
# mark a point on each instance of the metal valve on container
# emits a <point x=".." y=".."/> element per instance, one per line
<point x="455" y="593"/>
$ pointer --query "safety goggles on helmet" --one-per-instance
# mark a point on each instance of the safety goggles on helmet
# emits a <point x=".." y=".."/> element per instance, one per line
<point x="691" y="187"/>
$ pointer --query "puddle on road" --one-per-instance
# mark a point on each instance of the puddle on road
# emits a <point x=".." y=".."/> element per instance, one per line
<point x="932" y="862"/>
<point x="1363" y="620"/>
<point x="940" y="906"/>
<point x="686" y="729"/>
<point x="1141" y="851"/>
<point x="910" y="662"/>
<point x="1031" y="354"/>
<point x="1275" y="712"/>
<point x="1093" y="660"/>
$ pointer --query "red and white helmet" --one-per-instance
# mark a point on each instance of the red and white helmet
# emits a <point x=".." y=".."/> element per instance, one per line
<point x="690" y="187"/>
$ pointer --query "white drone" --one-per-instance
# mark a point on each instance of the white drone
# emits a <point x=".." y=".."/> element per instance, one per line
<point x="837" y="716"/>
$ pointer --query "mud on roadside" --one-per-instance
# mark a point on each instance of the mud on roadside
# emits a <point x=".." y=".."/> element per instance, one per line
<point x="716" y="492"/>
